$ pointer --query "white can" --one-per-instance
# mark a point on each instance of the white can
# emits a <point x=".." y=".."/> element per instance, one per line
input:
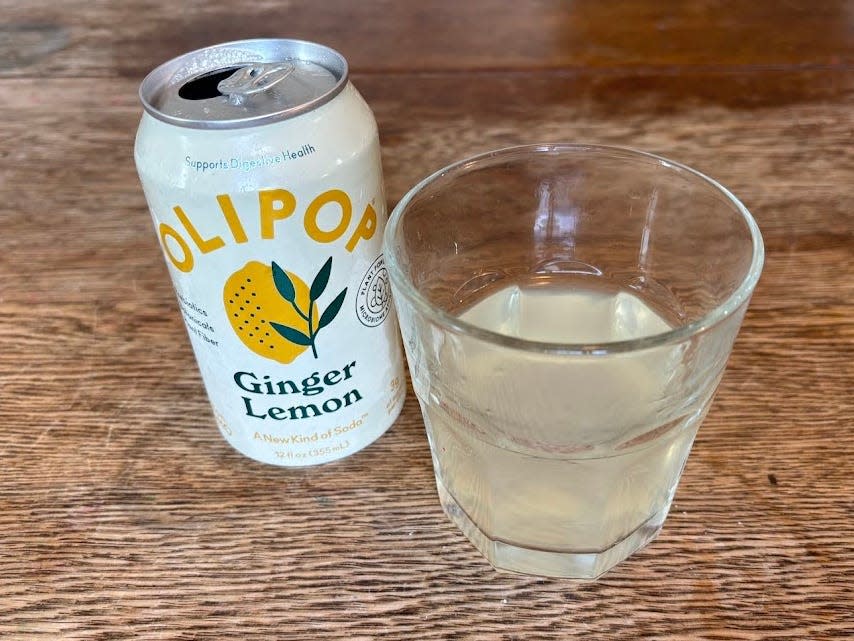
<point x="261" y="166"/>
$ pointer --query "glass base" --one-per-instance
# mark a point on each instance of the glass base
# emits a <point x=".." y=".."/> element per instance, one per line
<point x="570" y="565"/>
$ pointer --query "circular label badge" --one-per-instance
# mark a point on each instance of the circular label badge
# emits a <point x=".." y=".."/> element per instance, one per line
<point x="373" y="300"/>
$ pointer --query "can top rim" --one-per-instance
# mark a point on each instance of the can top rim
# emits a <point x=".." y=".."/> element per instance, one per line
<point x="171" y="74"/>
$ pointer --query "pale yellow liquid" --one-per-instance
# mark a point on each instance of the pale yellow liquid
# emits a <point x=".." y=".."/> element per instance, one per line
<point x="559" y="453"/>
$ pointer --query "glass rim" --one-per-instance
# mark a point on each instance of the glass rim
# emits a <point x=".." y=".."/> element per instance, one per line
<point x="678" y="334"/>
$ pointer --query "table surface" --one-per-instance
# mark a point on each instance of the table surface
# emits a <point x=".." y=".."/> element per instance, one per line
<point x="123" y="514"/>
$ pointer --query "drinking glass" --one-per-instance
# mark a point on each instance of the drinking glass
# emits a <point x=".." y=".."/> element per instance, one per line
<point x="567" y="313"/>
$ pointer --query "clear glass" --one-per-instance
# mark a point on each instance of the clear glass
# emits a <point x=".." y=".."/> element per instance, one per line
<point x="567" y="313"/>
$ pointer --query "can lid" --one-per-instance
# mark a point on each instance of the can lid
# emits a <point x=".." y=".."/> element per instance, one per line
<point x="244" y="83"/>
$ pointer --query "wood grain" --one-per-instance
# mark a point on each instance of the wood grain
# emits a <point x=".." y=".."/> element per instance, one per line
<point x="123" y="514"/>
<point x="131" y="37"/>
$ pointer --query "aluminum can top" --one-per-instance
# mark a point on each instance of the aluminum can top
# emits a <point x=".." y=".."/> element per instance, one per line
<point x="245" y="83"/>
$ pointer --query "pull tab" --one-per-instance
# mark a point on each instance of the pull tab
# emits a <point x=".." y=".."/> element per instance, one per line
<point x="253" y="79"/>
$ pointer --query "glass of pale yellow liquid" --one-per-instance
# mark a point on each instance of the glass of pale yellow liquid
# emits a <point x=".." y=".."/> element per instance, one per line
<point x="567" y="313"/>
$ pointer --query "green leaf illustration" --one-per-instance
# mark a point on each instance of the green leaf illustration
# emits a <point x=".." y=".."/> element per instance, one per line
<point x="291" y="334"/>
<point x="319" y="284"/>
<point x="283" y="284"/>
<point x="332" y="311"/>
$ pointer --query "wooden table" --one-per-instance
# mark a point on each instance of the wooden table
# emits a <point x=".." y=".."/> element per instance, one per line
<point x="123" y="514"/>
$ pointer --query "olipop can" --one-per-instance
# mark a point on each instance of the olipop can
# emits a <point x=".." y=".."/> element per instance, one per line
<point x="260" y="163"/>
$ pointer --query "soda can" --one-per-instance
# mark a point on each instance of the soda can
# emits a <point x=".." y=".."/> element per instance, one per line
<point x="260" y="163"/>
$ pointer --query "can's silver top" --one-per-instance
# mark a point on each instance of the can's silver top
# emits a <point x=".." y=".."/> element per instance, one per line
<point x="243" y="84"/>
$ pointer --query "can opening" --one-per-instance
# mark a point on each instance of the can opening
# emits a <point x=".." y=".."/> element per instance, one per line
<point x="205" y="86"/>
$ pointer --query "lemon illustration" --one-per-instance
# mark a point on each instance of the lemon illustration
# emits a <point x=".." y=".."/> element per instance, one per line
<point x="253" y="303"/>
